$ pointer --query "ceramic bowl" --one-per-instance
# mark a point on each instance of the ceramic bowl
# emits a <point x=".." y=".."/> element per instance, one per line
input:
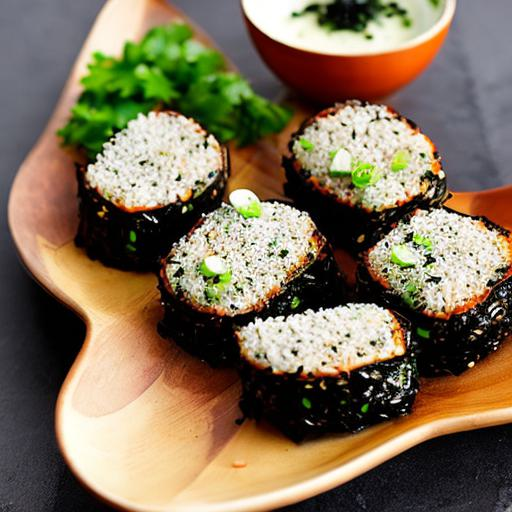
<point x="328" y="77"/>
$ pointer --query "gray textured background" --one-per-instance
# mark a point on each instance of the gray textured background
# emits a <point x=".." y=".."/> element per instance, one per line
<point x="464" y="102"/>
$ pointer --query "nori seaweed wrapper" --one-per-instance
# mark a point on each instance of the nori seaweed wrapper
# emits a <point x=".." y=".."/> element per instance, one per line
<point x="353" y="227"/>
<point x="136" y="240"/>
<point x="305" y="408"/>
<point x="210" y="336"/>
<point x="454" y="344"/>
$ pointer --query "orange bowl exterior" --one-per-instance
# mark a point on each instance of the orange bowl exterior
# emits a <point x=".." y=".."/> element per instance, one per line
<point x="327" y="78"/>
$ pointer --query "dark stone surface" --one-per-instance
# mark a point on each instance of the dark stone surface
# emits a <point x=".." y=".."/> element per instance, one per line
<point x="463" y="102"/>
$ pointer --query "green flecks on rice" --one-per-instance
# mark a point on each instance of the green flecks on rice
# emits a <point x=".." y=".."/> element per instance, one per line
<point x="261" y="253"/>
<point x="457" y="259"/>
<point x="324" y="342"/>
<point x="157" y="160"/>
<point x="401" y="155"/>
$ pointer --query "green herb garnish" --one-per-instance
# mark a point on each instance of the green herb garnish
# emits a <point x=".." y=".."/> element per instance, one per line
<point x="246" y="203"/>
<point x="341" y="164"/>
<point x="306" y="144"/>
<point x="213" y="266"/>
<point x="212" y="292"/>
<point x="168" y="69"/>
<point x="401" y="160"/>
<point x="218" y="276"/>
<point x="423" y="242"/>
<point x="133" y="236"/>
<point x="403" y="256"/>
<point x="306" y="403"/>
<point x="409" y="297"/>
<point x="423" y="333"/>
<point x="364" y="408"/>
<point x="295" y="303"/>
<point x="364" y="175"/>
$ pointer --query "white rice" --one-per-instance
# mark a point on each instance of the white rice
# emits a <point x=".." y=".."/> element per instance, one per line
<point x="325" y="342"/>
<point x="158" y="159"/>
<point x="371" y="134"/>
<point x="465" y="259"/>
<point x="261" y="254"/>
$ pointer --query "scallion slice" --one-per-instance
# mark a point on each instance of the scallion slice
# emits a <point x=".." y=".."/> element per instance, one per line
<point x="401" y="160"/>
<point x="364" y="175"/>
<point x="245" y="202"/>
<point x="422" y="241"/>
<point x="423" y="333"/>
<point x="403" y="256"/>
<point x="213" y="266"/>
<point x="341" y="164"/>
<point x="306" y="144"/>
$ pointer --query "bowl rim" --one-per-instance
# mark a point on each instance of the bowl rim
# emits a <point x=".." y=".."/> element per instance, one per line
<point x="444" y="21"/>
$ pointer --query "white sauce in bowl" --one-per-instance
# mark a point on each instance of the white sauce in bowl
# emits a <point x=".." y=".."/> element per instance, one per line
<point x="274" y="18"/>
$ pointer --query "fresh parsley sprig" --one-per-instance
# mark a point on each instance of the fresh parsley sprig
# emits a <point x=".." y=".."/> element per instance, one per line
<point x="168" y="69"/>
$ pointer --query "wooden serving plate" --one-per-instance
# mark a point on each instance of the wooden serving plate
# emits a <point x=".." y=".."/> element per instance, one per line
<point x="148" y="428"/>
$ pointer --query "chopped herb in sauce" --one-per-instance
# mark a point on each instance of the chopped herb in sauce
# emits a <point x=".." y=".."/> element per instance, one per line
<point x="355" y="15"/>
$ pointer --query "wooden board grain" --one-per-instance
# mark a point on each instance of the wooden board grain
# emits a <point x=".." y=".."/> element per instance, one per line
<point x="147" y="427"/>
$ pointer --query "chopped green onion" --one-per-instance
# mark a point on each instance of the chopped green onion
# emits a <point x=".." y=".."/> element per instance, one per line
<point x="411" y="288"/>
<point x="212" y="292"/>
<point x="423" y="241"/>
<point x="403" y="256"/>
<point x="423" y="333"/>
<point x="306" y="403"/>
<point x="295" y="302"/>
<point x="133" y="236"/>
<point x="409" y="300"/>
<point x="364" y="408"/>
<point x="339" y="174"/>
<point x="401" y="160"/>
<point x="306" y="144"/>
<point x="213" y="266"/>
<point x="341" y="164"/>
<point x="130" y="248"/>
<point x="245" y="202"/>
<point x="225" y="278"/>
<point x="364" y="175"/>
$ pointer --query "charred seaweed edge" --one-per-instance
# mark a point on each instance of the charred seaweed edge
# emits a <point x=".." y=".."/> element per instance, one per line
<point x="104" y="228"/>
<point x="309" y="407"/>
<point x="456" y="343"/>
<point x="211" y="337"/>
<point x="350" y="226"/>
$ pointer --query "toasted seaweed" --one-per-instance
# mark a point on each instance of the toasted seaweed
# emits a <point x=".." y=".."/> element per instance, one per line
<point x="454" y="344"/>
<point x="352" y="227"/>
<point x="210" y="336"/>
<point x="304" y="408"/>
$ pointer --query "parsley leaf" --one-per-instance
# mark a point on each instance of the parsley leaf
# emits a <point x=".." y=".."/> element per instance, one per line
<point x="168" y="69"/>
